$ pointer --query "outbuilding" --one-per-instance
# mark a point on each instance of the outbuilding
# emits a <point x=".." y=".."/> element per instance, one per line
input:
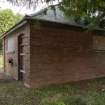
<point x="42" y="50"/>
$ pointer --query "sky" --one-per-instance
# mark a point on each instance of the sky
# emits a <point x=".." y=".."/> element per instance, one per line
<point x="22" y="10"/>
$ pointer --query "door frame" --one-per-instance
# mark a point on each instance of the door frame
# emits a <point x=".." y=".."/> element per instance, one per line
<point x="20" y="58"/>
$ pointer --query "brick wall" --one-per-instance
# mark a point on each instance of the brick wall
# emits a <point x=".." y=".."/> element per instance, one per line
<point x="13" y="69"/>
<point x="61" y="55"/>
<point x="56" y="53"/>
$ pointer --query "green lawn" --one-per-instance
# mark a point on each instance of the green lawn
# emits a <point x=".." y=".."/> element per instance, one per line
<point x="82" y="93"/>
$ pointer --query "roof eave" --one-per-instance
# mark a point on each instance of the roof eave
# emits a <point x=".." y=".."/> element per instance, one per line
<point x="25" y="20"/>
<point x="18" y="25"/>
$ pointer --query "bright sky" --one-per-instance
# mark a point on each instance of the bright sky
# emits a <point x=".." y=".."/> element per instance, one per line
<point x="22" y="10"/>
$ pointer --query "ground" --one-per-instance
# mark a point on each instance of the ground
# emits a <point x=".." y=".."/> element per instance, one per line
<point x="90" y="92"/>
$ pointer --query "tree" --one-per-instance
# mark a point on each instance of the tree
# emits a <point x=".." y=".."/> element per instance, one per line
<point x="91" y="11"/>
<point x="7" y="20"/>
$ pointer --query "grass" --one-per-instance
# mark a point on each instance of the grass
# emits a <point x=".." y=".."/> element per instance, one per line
<point x="81" y="93"/>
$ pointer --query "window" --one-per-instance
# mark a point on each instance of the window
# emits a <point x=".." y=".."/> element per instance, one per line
<point x="10" y="44"/>
<point x="99" y="43"/>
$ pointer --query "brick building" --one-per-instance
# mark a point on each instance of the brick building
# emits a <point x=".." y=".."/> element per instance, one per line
<point x="42" y="50"/>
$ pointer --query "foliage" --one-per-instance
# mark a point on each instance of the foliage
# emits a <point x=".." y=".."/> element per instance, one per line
<point x="7" y="20"/>
<point x="89" y="11"/>
<point x="30" y="2"/>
